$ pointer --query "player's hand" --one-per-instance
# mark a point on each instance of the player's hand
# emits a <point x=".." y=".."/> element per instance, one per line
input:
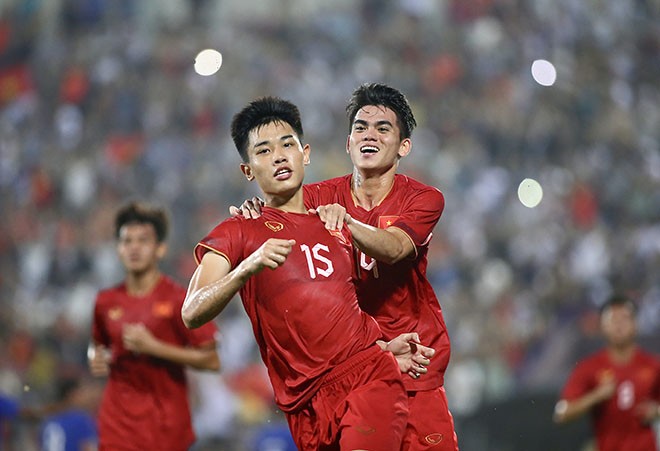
<point x="332" y="215"/>
<point x="137" y="338"/>
<point x="648" y="411"/>
<point x="250" y="209"/>
<point x="98" y="358"/>
<point x="272" y="254"/>
<point x="606" y="387"/>
<point x="411" y="355"/>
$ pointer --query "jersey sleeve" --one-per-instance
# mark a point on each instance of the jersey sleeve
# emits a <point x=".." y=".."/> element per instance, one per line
<point x="579" y="382"/>
<point x="325" y="192"/>
<point x="99" y="334"/>
<point x="422" y="213"/>
<point x="225" y="239"/>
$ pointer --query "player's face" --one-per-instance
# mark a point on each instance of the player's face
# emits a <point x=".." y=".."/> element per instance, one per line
<point x="618" y="325"/>
<point x="374" y="142"/>
<point x="138" y="247"/>
<point x="276" y="159"/>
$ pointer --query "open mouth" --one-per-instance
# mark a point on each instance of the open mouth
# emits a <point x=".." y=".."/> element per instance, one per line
<point x="369" y="149"/>
<point x="282" y="173"/>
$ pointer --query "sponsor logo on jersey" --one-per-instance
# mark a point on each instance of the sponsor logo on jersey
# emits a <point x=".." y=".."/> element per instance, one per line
<point x="162" y="309"/>
<point x="274" y="226"/>
<point x="115" y="313"/>
<point x="386" y="221"/>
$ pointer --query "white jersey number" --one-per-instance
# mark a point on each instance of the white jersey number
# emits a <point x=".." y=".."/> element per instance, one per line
<point x="625" y="395"/>
<point x="317" y="264"/>
<point x="368" y="264"/>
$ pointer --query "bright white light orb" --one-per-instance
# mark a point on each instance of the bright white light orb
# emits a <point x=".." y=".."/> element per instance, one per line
<point x="544" y="72"/>
<point x="530" y="193"/>
<point x="208" y="62"/>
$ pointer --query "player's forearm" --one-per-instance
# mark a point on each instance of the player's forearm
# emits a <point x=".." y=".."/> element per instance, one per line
<point x="204" y="304"/>
<point x="205" y="358"/>
<point x="379" y="244"/>
<point x="566" y="411"/>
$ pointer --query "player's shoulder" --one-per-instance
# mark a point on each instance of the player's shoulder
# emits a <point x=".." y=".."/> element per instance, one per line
<point x="110" y="294"/>
<point x="335" y="182"/>
<point x="416" y="185"/>
<point x="595" y="359"/>
<point x="417" y="191"/>
<point x="648" y="357"/>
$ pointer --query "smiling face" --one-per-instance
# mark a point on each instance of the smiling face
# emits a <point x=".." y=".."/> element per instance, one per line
<point x="276" y="160"/>
<point x="375" y="143"/>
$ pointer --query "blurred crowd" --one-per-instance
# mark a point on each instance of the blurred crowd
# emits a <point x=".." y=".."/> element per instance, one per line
<point x="99" y="103"/>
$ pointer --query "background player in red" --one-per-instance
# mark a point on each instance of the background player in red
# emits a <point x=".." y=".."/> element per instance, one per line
<point x="140" y="340"/>
<point x="334" y="383"/>
<point x="619" y="386"/>
<point x="391" y="218"/>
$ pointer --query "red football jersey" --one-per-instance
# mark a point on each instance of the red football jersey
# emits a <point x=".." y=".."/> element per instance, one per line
<point x="615" y="422"/>
<point x="398" y="296"/>
<point x="304" y="314"/>
<point x="145" y="402"/>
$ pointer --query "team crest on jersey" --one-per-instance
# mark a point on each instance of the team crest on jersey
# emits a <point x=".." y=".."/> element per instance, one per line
<point x="337" y="234"/>
<point x="274" y="226"/>
<point x="162" y="309"/>
<point x="115" y="313"/>
<point x="386" y="221"/>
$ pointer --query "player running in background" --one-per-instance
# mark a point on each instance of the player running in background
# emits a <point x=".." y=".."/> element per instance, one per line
<point x="140" y="340"/>
<point x="337" y="387"/>
<point x="619" y="386"/>
<point x="391" y="217"/>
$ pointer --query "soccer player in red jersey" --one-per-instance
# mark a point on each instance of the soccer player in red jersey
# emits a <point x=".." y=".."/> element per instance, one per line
<point x="140" y="341"/>
<point x="619" y="386"/>
<point x="337" y="387"/>
<point x="391" y="218"/>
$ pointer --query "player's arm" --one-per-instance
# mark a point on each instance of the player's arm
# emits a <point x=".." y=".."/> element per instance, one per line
<point x="98" y="359"/>
<point x="388" y="245"/>
<point x="566" y="410"/>
<point x="214" y="283"/>
<point x="137" y="338"/>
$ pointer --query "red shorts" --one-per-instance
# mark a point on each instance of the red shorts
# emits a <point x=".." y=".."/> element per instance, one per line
<point x="430" y="424"/>
<point x="362" y="404"/>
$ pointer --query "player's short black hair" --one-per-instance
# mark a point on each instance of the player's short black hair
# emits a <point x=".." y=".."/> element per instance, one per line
<point x="260" y="112"/>
<point x="616" y="300"/>
<point x="379" y="94"/>
<point x="141" y="213"/>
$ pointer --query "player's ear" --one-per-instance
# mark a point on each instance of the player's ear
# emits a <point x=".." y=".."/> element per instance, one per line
<point x="348" y="142"/>
<point x="306" y="151"/>
<point x="161" y="250"/>
<point x="405" y="147"/>
<point x="247" y="171"/>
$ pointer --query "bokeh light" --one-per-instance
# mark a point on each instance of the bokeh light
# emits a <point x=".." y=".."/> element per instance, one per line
<point x="544" y="72"/>
<point x="530" y="193"/>
<point x="208" y="62"/>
